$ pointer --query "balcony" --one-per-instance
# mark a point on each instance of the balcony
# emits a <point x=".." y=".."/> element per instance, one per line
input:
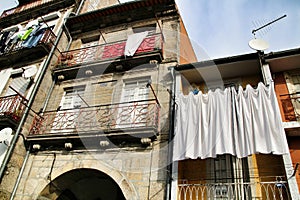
<point x="30" y="10"/>
<point x="258" y="190"/>
<point x="118" y="123"/>
<point x="290" y="104"/>
<point x="17" y="53"/>
<point x="11" y="110"/>
<point x="109" y="56"/>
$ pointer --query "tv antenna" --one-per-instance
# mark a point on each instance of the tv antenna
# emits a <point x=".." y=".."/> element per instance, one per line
<point x="259" y="44"/>
<point x="263" y="26"/>
<point x="29" y="71"/>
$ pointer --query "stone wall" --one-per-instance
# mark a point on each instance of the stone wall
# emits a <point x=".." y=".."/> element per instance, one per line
<point x="139" y="173"/>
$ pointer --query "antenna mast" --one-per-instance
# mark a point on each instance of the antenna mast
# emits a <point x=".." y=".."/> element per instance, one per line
<point x="255" y="30"/>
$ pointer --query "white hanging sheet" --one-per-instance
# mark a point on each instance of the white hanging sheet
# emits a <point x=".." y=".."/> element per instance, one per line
<point x="233" y="122"/>
<point x="133" y="42"/>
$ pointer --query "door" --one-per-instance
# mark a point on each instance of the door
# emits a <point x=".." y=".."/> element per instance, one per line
<point x="66" y="119"/>
<point x="133" y="108"/>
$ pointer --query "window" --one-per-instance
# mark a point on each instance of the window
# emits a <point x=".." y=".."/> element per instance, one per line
<point x="133" y="110"/>
<point x="90" y="41"/>
<point x="135" y="90"/>
<point x="296" y="82"/>
<point x="66" y="119"/>
<point x="92" y="5"/>
<point x="224" y="171"/>
<point x="151" y="28"/>
<point x="19" y="83"/>
<point x="73" y="98"/>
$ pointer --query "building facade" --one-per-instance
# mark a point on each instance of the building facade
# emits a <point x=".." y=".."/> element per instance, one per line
<point x="28" y="34"/>
<point x="224" y="99"/>
<point x="92" y="107"/>
<point x="97" y="124"/>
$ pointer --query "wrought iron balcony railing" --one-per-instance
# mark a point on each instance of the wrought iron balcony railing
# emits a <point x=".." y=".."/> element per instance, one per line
<point x="289" y="103"/>
<point x="12" y="107"/>
<point x="47" y="40"/>
<point x="102" y="118"/>
<point x="257" y="190"/>
<point x="103" y="52"/>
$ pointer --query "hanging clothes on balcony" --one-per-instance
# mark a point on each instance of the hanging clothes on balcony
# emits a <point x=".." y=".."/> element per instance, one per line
<point x="26" y="34"/>
<point x="228" y="122"/>
<point x="133" y="42"/>
<point x="35" y="36"/>
<point x="3" y="40"/>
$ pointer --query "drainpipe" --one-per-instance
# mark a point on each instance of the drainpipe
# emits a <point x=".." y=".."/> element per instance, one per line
<point x="48" y="95"/>
<point x="30" y="102"/>
<point x="171" y="136"/>
<point x="13" y="193"/>
<point x="79" y="8"/>
<point x="66" y="28"/>
<point x="69" y="36"/>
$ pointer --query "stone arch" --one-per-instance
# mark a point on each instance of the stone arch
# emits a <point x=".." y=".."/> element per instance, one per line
<point x="125" y="186"/>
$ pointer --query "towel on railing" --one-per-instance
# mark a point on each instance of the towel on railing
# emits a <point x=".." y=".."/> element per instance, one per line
<point x="133" y="42"/>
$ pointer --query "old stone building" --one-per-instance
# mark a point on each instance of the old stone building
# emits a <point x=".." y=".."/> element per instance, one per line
<point x="106" y="100"/>
<point x="97" y="121"/>
<point x="28" y="34"/>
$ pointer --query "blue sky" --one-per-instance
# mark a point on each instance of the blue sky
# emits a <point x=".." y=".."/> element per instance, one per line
<point x="221" y="28"/>
<point x="7" y="4"/>
<point x="224" y="28"/>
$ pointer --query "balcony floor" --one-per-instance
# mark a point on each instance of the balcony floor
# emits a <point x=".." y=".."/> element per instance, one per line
<point x="108" y="66"/>
<point x="24" y="55"/>
<point x="91" y="140"/>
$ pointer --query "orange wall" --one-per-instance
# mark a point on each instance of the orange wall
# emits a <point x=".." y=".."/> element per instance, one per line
<point x="187" y="54"/>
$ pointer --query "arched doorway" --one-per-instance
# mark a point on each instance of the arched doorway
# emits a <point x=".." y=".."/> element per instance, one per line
<point x="82" y="184"/>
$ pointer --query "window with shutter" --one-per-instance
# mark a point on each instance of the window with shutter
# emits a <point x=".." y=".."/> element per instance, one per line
<point x="20" y="84"/>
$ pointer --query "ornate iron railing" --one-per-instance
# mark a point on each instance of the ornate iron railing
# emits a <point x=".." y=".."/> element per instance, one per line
<point x="112" y="117"/>
<point x="12" y="107"/>
<point x="108" y="51"/>
<point x="289" y="104"/>
<point x="244" y="191"/>
<point x="24" y="7"/>
<point x="48" y="39"/>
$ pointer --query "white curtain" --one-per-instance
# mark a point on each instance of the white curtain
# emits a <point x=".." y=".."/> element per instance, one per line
<point x="233" y="122"/>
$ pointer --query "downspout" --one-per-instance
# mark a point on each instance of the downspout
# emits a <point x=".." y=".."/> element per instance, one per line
<point x="48" y="95"/>
<point x="79" y="8"/>
<point x="171" y="136"/>
<point x="69" y="35"/>
<point x="13" y="193"/>
<point x="30" y="102"/>
<point x="66" y="28"/>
